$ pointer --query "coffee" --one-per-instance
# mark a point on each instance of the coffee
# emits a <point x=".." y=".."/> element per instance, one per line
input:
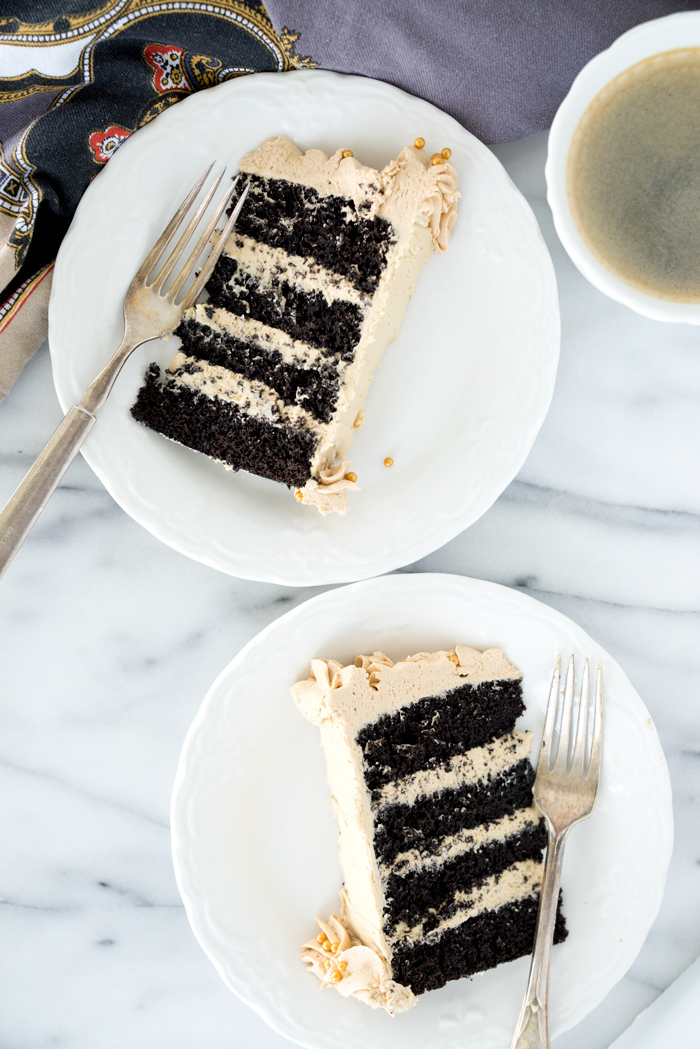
<point x="633" y="176"/>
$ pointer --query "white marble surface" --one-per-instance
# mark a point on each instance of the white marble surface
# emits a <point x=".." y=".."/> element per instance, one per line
<point x="110" y="640"/>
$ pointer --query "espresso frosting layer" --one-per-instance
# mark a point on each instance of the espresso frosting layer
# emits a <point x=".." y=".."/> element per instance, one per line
<point x="516" y="883"/>
<point x="258" y="399"/>
<point x="260" y="336"/>
<point x="270" y="266"/>
<point x="478" y="765"/>
<point x="468" y="840"/>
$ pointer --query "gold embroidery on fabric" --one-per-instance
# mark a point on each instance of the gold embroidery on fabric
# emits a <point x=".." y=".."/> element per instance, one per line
<point x="59" y="30"/>
<point x="288" y="42"/>
<point x="19" y="194"/>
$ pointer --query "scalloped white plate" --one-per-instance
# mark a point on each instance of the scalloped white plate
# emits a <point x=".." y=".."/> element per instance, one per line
<point x="457" y="401"/>
<point x="254" y="839"/>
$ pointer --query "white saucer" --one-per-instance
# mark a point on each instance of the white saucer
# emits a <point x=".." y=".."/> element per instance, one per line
<point x="457" y="401"/>
<point x="254" y="838"/>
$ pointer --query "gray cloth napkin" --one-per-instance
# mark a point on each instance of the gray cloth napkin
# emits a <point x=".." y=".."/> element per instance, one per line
<point x="501" y="67"/>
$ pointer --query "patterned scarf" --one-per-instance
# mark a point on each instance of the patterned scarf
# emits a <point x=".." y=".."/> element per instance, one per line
<point x="72" y="88"/>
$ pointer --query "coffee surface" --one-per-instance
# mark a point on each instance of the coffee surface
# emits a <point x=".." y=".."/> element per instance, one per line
<point x="633" y="176"/>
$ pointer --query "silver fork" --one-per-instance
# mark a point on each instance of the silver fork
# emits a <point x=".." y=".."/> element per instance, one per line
<point x="150" y="312"/>
<point x="565" y="798"/>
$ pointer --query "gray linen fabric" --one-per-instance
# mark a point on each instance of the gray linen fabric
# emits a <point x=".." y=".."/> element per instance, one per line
<point x="501" y="67"/>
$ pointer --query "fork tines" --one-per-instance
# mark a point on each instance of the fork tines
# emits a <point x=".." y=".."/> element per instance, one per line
<point x="154" y="256"/>
<point x="555" y="753"/>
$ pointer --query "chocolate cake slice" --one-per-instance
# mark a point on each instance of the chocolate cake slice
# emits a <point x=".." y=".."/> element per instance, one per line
<point x="313" y="283"/>
<point x="439" y="841"/>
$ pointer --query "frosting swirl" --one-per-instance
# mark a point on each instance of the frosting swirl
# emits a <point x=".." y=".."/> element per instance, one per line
<point x="373" y="666"/>
<point x="340" y="960"/>
<point x="438" y="187"/>
<point x="327" y="491"/>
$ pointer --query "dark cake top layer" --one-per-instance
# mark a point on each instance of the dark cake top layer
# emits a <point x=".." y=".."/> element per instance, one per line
<point x="333" y="230"/>
<point x="435" y="728"/>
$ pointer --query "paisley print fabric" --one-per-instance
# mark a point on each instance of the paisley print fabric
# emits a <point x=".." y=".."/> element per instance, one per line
<point x="73" y="87"/>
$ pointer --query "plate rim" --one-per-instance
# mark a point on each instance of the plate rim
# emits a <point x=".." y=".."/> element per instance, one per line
<point x="216" y="695"/>
<point x="311" y="572"/>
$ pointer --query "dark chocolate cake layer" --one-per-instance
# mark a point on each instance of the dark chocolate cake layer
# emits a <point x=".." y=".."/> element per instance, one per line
<point x="300" y="221"/>
<point x="431" y="730"/>
<point x="223" y="432"/>
<point x="314" y="389"/>
<point x="431" y="890"/>
<point x="332" y="327"/>
<point x="477" y="944"/>
<point x="429" y="819"/>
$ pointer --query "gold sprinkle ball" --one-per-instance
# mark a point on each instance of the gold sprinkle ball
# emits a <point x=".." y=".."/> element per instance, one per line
<point x="446" y="153"/>
<point x="454" y="658"/>
<point x="326" y="945"/>
<point x="351" y="476"/>
<point x="419" y="143"/>
<point x="334" y="947"/>
<point x="321" y="937"/>
<point x="342" y="966"/>
<point x="336" y="976"/>
<point x="347" y="153"/>
<point x="327" y="963"/>
<point x="298" y="496"/>
<point x="388" y="461"/>
<point x="437" y="158"/>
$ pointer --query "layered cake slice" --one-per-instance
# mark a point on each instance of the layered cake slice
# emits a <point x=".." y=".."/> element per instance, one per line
<point x="274" y="369"/>
<point x="439" y="842"/>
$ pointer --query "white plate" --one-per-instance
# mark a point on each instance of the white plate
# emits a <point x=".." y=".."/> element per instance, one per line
<point x="457" y="401"/>
<point x="254" y="838"/>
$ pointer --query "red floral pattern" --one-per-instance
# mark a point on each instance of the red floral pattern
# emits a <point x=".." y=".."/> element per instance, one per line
<point x="104" y="143"/>
<point x="169" y="66"/>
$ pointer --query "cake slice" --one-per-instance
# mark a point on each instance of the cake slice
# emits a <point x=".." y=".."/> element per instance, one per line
<point x="439" y="842"/>
<point x="313" y="283"/>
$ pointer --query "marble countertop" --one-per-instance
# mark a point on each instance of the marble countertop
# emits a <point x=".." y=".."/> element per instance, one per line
<point x="110" y="640"/>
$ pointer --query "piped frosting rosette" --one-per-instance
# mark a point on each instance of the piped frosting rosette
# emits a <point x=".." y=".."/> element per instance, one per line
<point x="341" y="961"/>
<point x="327" y="492"/>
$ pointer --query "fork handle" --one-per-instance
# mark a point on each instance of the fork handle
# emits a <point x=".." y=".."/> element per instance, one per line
<point x="532" y="1029"/>
<point x="31" y="496"/>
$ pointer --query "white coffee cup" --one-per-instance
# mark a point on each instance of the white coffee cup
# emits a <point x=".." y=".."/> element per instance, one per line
<point x="651" y="38"/>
